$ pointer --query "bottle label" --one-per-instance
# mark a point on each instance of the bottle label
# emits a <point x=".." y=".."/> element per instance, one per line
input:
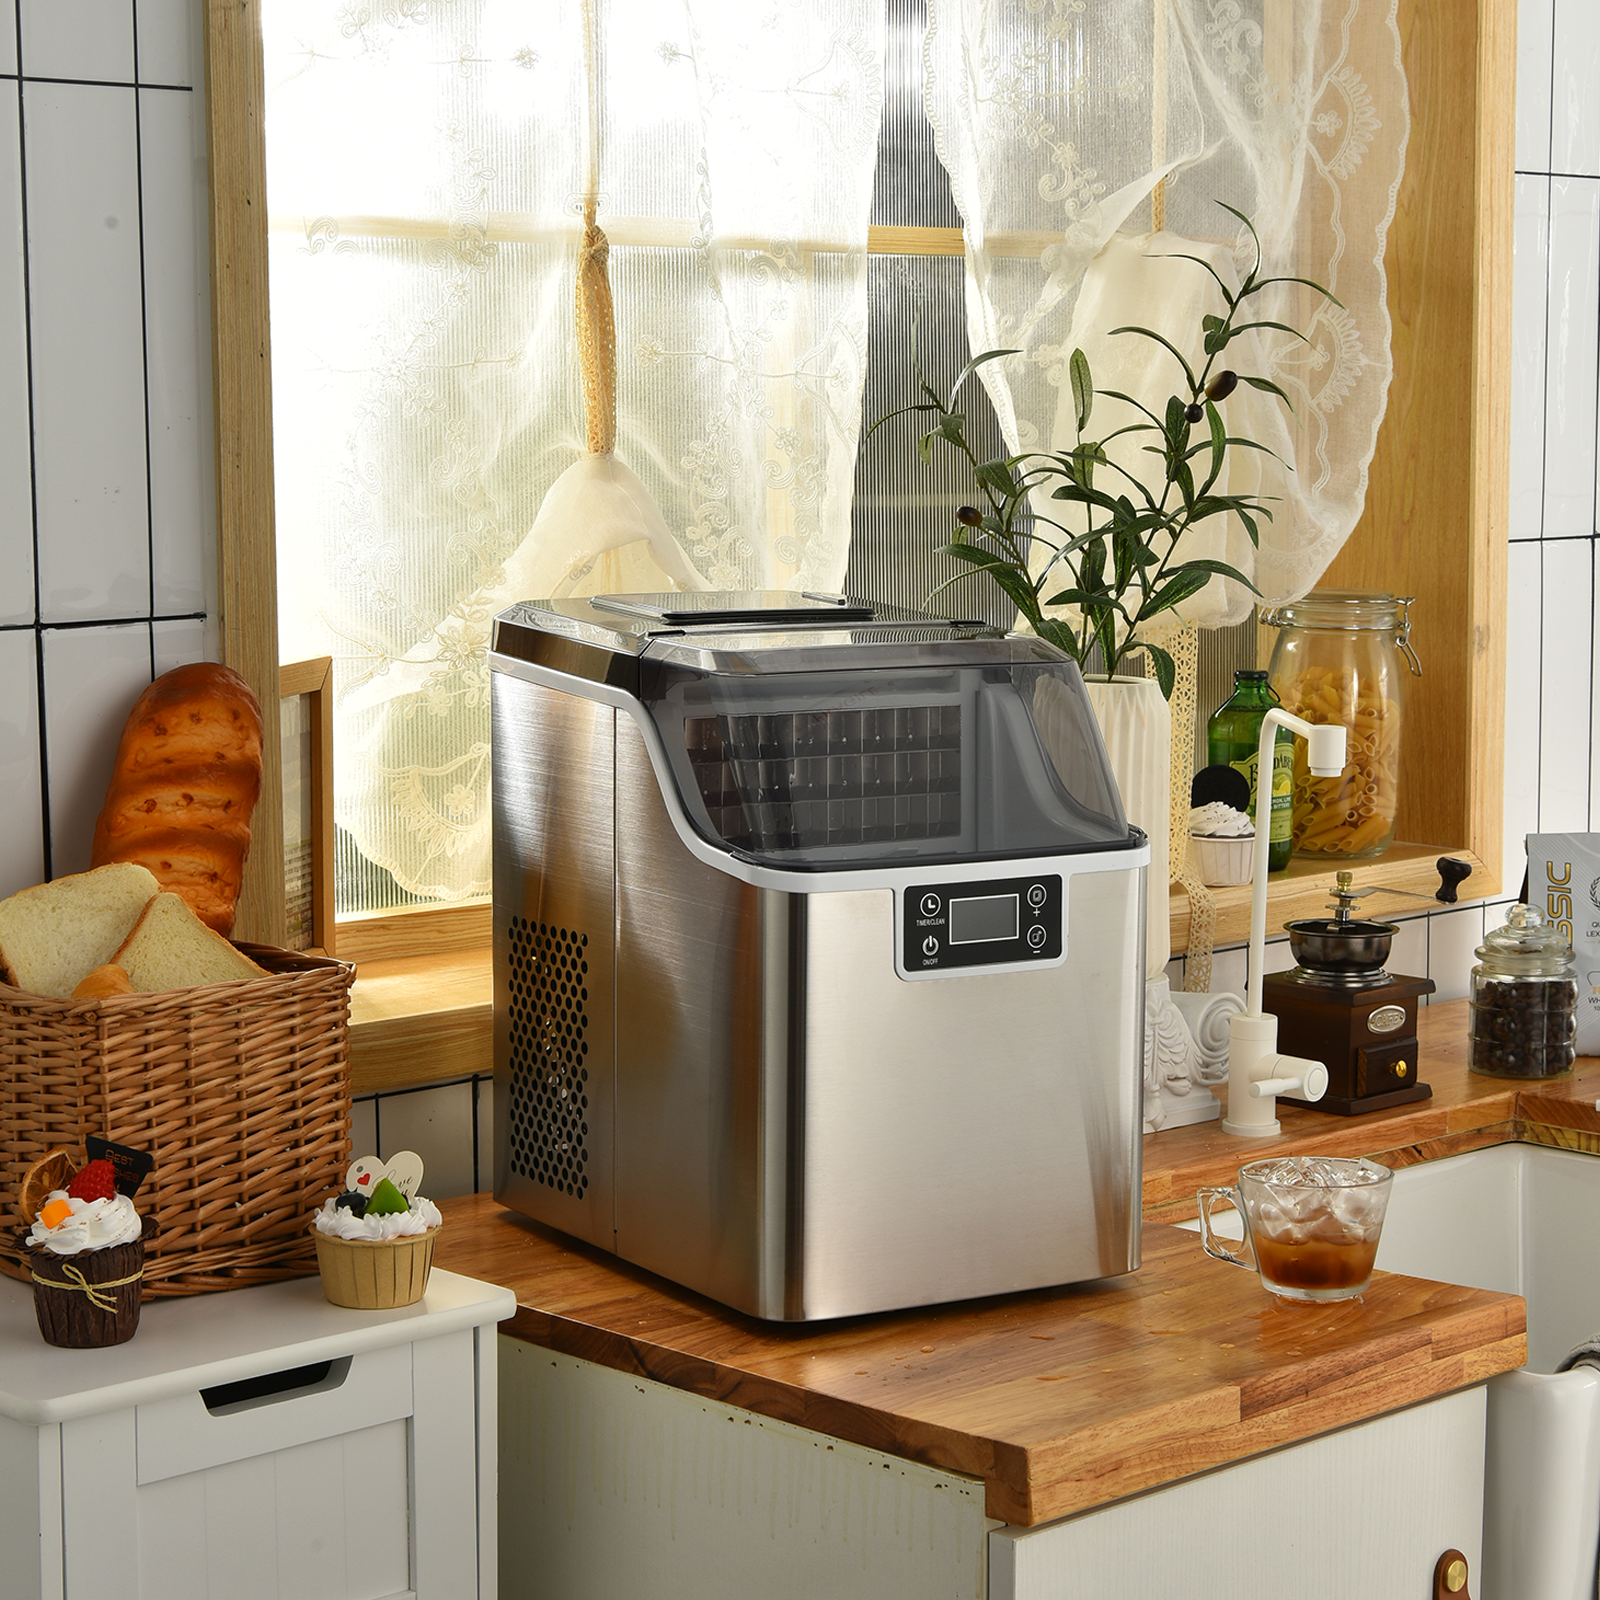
<point x="1282" y="823"/>
<point x="1247" y="765"/>
<point x="1282" y="792"/>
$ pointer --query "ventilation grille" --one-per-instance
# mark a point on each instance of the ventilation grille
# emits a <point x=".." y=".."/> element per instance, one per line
<point x="549" y="1079"/>
<point x="803" y="779"/>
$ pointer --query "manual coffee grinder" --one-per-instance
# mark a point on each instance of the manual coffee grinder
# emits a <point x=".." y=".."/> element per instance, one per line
<point x="1342" y="1007"/>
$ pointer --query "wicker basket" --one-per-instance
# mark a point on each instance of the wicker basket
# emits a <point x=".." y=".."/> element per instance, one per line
<point x="241" y="1092"/>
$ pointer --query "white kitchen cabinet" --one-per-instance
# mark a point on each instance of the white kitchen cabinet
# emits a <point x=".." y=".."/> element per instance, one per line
<point x="614" y="1487"/>
<point x="256" y="1445"/>
<point x="1367" y="1510"/>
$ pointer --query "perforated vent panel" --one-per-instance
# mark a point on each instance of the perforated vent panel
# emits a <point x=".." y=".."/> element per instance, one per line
<point x="549" y="1020"/>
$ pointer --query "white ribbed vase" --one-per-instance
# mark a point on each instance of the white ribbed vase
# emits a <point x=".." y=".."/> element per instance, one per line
<point x="1136" y="724"/>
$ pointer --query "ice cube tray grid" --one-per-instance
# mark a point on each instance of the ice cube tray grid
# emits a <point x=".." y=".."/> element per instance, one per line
<point x="548" y="1024"/>
<point x="804" y="779"/>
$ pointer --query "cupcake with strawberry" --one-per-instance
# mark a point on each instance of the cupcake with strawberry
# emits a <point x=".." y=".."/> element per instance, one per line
<point x="85" y="1251"/>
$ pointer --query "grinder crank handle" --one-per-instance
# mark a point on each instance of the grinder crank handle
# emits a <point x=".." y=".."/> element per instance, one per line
<point x="1451" y="873"/>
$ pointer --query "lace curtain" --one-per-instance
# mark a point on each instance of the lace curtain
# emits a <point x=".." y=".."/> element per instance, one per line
<point x="1087" y="139"/>
<point x="425" y="177"/>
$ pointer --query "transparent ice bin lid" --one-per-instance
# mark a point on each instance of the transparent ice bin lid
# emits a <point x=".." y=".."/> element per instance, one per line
<point x="853" y="766"/>
<point x="812" y="731"/>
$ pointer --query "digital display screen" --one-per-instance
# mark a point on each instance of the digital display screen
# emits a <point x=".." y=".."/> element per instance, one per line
<point x="976" y="921"/>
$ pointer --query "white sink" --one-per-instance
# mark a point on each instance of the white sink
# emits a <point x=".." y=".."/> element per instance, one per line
<point x="1524" y="1220"/>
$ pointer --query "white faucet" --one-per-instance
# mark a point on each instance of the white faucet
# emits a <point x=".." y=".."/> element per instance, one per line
<point x="1257" y="1074"/>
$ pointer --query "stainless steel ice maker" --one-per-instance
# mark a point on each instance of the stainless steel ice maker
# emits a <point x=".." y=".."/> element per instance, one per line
<point x="818" y="952"/>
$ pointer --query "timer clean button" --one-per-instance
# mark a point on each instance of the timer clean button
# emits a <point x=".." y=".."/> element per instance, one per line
<point x="1036" y="896"/>
<point x="930" y="905"/>
<point x="930" y="946"/>
<point x="1036" y="936"/>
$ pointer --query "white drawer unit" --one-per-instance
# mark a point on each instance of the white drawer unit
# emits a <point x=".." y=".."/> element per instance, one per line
<point x="258" y="1445"/>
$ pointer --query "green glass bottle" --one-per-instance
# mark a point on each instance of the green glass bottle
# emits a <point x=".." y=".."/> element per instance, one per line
<point x="1233" y="739"/>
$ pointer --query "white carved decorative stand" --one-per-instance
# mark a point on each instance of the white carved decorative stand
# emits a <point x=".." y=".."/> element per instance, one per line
<point x="1136" y="725"/>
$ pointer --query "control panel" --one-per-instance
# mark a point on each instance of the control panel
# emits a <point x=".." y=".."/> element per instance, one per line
<point x="998" y="922"/>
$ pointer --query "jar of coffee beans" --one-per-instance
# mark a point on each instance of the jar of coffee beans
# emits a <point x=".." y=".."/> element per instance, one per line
<point x="1524" y="999"/>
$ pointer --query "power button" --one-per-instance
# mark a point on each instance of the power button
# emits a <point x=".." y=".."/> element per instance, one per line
<point x="930" y="946"/>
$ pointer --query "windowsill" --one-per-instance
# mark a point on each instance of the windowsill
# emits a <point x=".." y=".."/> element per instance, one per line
<point x="424" y="1019"/>
<point x="431" y="1018"/>
<point x="1304" y="888"/>
<point x="421" y="1019"/>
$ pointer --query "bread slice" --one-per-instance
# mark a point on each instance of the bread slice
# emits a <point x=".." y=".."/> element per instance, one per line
<point x="52" y="936"/>
<point x="171" y="948"/>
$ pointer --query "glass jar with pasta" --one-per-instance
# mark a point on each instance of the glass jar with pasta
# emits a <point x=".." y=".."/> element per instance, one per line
<point x="1337" y="659"/>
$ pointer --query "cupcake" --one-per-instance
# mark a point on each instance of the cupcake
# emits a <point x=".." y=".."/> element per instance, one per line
<point x="375" y="1240"/>
<point x="1222" y="841"/>
<point x="86" y="1254"/>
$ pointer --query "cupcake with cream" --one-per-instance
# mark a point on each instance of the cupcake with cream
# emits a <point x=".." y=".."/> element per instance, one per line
<point x="86" y="1253"/>
<point x="375" y="1240"/>
<point x="1222" y="841"/>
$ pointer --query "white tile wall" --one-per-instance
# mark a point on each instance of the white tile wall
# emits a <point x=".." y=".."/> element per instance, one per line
<point x="1535" y="23"/>
<point x="16" y="492"/>
<point x="1574" y="106"/>
<point x="1409" y="952"/>
<point x="119" y="320"/>
<point x="1531" y="244"/>
<point x="169" y="43"/>
<point x="1571" y="327"/>
<point x="86" y="300"/>
<point x="92" y="676"/>
<point x="177" y="320"/>
<point x="22" y="836"/>
<point x="364" y="1127"/>
<point x="1568" y="624"/>
<point x="177" y="642"/>
<point x="105" y="458"/>
<point x="83" y="39"/>
<point x="1524" y="674"/>
<point x="1453" y="936"/>
<point x="437" y="1124"/>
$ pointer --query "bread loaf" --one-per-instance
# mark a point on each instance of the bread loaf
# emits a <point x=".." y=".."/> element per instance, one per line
<point x="186" y="780"/>
<point x="52" y="936"/>
<point x="171" y="948"/>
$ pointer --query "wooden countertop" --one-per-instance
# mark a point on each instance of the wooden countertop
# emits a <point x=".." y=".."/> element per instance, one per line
<point x="1466" y="1112"/>
<point x="1064" y="1399"/>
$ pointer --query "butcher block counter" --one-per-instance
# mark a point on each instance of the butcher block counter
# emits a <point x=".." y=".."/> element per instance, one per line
<point x="1066" y="1399"/>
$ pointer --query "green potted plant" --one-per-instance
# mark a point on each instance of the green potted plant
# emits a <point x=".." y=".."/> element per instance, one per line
<point x="1112" y="553"/>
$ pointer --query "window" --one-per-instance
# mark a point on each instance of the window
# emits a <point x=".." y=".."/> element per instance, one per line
<point x="1453" y="314"/>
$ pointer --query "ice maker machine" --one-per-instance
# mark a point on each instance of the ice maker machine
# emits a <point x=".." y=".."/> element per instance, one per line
<point x="818" y="951"/>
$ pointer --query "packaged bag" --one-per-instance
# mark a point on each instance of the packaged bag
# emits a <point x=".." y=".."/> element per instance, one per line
<point x="1564" y="882"/>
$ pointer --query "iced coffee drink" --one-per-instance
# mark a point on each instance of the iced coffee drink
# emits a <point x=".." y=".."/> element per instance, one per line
<point x="1312" y="1223"/>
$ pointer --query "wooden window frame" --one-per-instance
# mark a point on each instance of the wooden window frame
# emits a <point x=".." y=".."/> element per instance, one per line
<point x="1435" y="523"/>
<point x="313" y="680"/>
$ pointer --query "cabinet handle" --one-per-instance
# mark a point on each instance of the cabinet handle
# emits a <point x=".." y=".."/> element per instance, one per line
<point x="224" y="1399"/>
<point x="1450" y="1577"/>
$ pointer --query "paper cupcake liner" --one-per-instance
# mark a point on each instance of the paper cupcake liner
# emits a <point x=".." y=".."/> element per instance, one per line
<point x="1223" y="863"/>
<point x="90" y="1300"/>
<point x="375" y="1274"/>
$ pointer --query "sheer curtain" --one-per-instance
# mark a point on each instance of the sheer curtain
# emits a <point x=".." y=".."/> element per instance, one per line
<point x="1089" y="139"/>
<point x="425" y="176"/>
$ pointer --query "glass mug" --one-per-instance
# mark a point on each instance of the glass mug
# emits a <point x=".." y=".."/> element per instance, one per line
<point x="1311" y="1223"/>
